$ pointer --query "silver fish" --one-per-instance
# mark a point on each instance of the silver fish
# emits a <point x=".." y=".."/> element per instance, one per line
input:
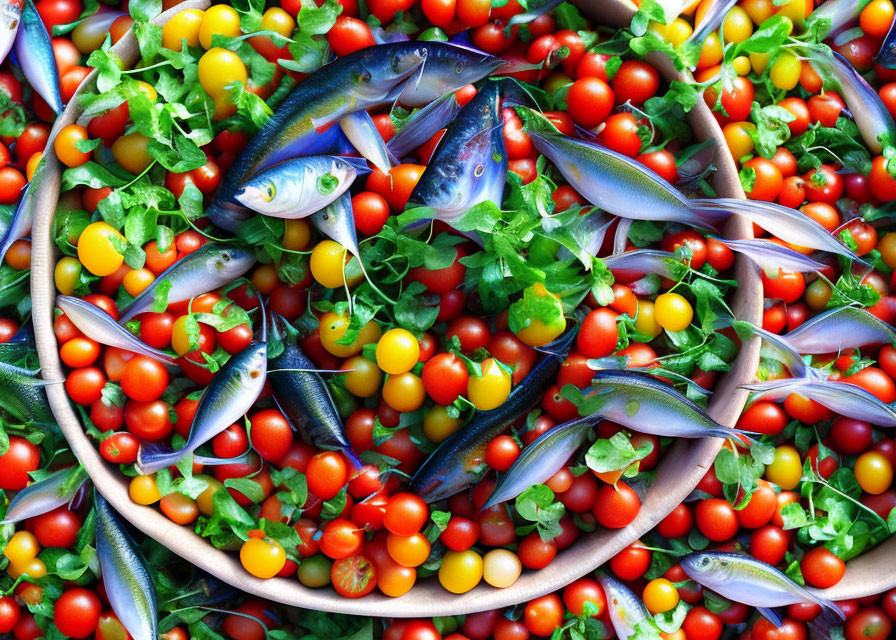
<point x="297" y="188"/>
<point x="839" y="329"/>
<point x="777" y="347"/>
<point x="129" y="587"/>
<point x="10" y="18"/>
<point x="57" y="489"/>
<point x="661" y="263"/>
<point x="231" y="393"/>
<point x="211" y="266"/>
<point x="842" y="397"/>
<point x="772" y="257"/>
<point x="33" y="51"/>
<point x="743" y="579"/>
<point x="98" y="325"/>
<point x="627" y="611"/>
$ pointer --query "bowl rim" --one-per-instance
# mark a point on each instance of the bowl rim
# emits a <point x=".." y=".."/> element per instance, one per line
<point x="678" y="473"/>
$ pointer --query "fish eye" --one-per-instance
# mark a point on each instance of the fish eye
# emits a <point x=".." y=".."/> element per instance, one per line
<point x="254" y="373"/>
<point x="225" y="257"/>
<point x="458" y="67"/>
<point x="269" y="192"/>
<point x="704" y="561"/>
<point x="396" y="64"/>
<point x="326" y="215"/>
<point x="479" y="170"/>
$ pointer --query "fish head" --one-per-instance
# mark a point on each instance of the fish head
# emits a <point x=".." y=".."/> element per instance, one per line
<point x="254" y="367"/>
<point x="261" y="193"/>
<point x="707" y="569"/>
<point x="378" y="75"/>
<point x="230" y="262"/>
<point x="446" y="68"/>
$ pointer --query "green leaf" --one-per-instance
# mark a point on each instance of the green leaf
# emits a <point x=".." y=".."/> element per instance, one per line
<point x="108" y="66"/>
<point x="538" y="304"/>
<point x="536" y="504"/>
<point x="90" y="174"/>
<point x="314" y="20"/>
<point x="615" y="453"/>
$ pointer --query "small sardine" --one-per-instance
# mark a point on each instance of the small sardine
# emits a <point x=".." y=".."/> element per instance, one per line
<point x="10" y="18"/>
<point x="297" y="188"/>
<point x="211" y="266"/>
<point x="231" y="393"/>
<point x="839" y="329"/>
<point x="128" y="585"/>
<point x="627" y="611"/>
<point x="98" y="325"/>
<point x="33" y="51"/>
<point x="57" y="489"/>
<point x="741" y="578"/>
<point x="643" y="403"/>
<point x="361" y="131"/>
<point x="777" y="347"/>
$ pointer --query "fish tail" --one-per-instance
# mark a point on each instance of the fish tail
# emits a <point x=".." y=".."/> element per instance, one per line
<point x="711" y="216"/>
<point x="155" y="457"/>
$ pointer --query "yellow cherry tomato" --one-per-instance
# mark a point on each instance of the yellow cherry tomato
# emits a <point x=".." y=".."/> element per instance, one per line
<point x="205" y="500"/>
<point x="678" y="31"/>
<point x="537" y="332"/>
<point x="65" y="145"/>
<point x="131" y="151"/>
<point x="143" y="490"/>
<point x="785" y="72"/>
<point x="224" y="107"/>
<point x="362" y="377"/>
<point x="737" y="135"/>
<point x="262" y="557"/>
<point x="438" y="425"/>
<point x="136" y="280"/>
<point x="148" y="90"/>
<point x="786" y="468"/>
<point x="817" y="295"/>
<point x="220" y="19"/>
<point x="265" y="278"/>
<point x="460" y="570"/>
<point x="742" y="65"/>
<point x="660" y="596"/>
<point x="297" y="235"/>
<point x="31" y="165"/>
<point x="491" y="389"/>
<point x="328" y="260"/>
<point x="397" y="351"/>
<point x="759" y="10"/>
<point x="501" y="568"/>
<point x="759" y="61"/>
<point x="887" y="247"/>
<point x="711" y="53"/>
<point x="96" y="250"/>
<point x="34" y="568"/>
<point x="874" y="472"/>
<point x="333" y="326"/>
<point x="219" y="68"/>
<point x="277" y="20"/>
<point x="737" y="26"/>
<point x="673" y="311"/>
<point x="645" y="320"/>
<point x="408" y="551"/>
<point x="65" y="275"/>
<point x="404" y="392"/>
<point x="183" y="26"/>
<point x="796" y="10"/>
<point x="21" y="548"/>
<point x="180" y="339"/>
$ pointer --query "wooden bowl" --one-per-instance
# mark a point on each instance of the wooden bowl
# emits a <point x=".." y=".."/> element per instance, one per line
<point x="678" y="473"/>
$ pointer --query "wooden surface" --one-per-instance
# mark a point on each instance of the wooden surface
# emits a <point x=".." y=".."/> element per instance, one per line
<point x="679" y="471"/>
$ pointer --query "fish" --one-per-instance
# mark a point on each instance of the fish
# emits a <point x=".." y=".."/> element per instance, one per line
<point x="873" y="119"/>
<point x="627" y="611"/>
<point x="22" y="394"/>
<point x="838" y="329"/>
<point x="303" y="396"/>
<point x="744" y="579"/>
<point x="844" y="398"/>
<point x="212" y="265"/>
<point x="57" y="489"/>
<point x="785" y="223"/>
<point x="297" y="188"/>
<point x="20" y="225"/>
<point x="469" y="166"/>
<point x="839" y="14"/>
<point x="616" y="183"/>
<point x="33" y="52"/>
<point x="231" y="393"/>
<point x="777" y="347"/>
<point x="773" y="257"/>
<point x="534" y="9"/>
<point x="98" y="325"/>
<point x="369" y="77"/>
<point x="128" y="585"/>
<point x="542" y="459"/>
<point x="457" y="462"/>
<point x="423" y="125"/>
<point x="641" y="261"/>
<point x="641" y="402"/>
<point x="361" y="131"/>
<point x="10" y="18"/>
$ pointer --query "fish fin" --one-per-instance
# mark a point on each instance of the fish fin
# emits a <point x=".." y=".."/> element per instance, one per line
<point x="770" y="615"/>
<point x="517" y="67"/>
<point x="155" y="457"/>
<point x="360" y="164"/>
<point x="211" y="461"/>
